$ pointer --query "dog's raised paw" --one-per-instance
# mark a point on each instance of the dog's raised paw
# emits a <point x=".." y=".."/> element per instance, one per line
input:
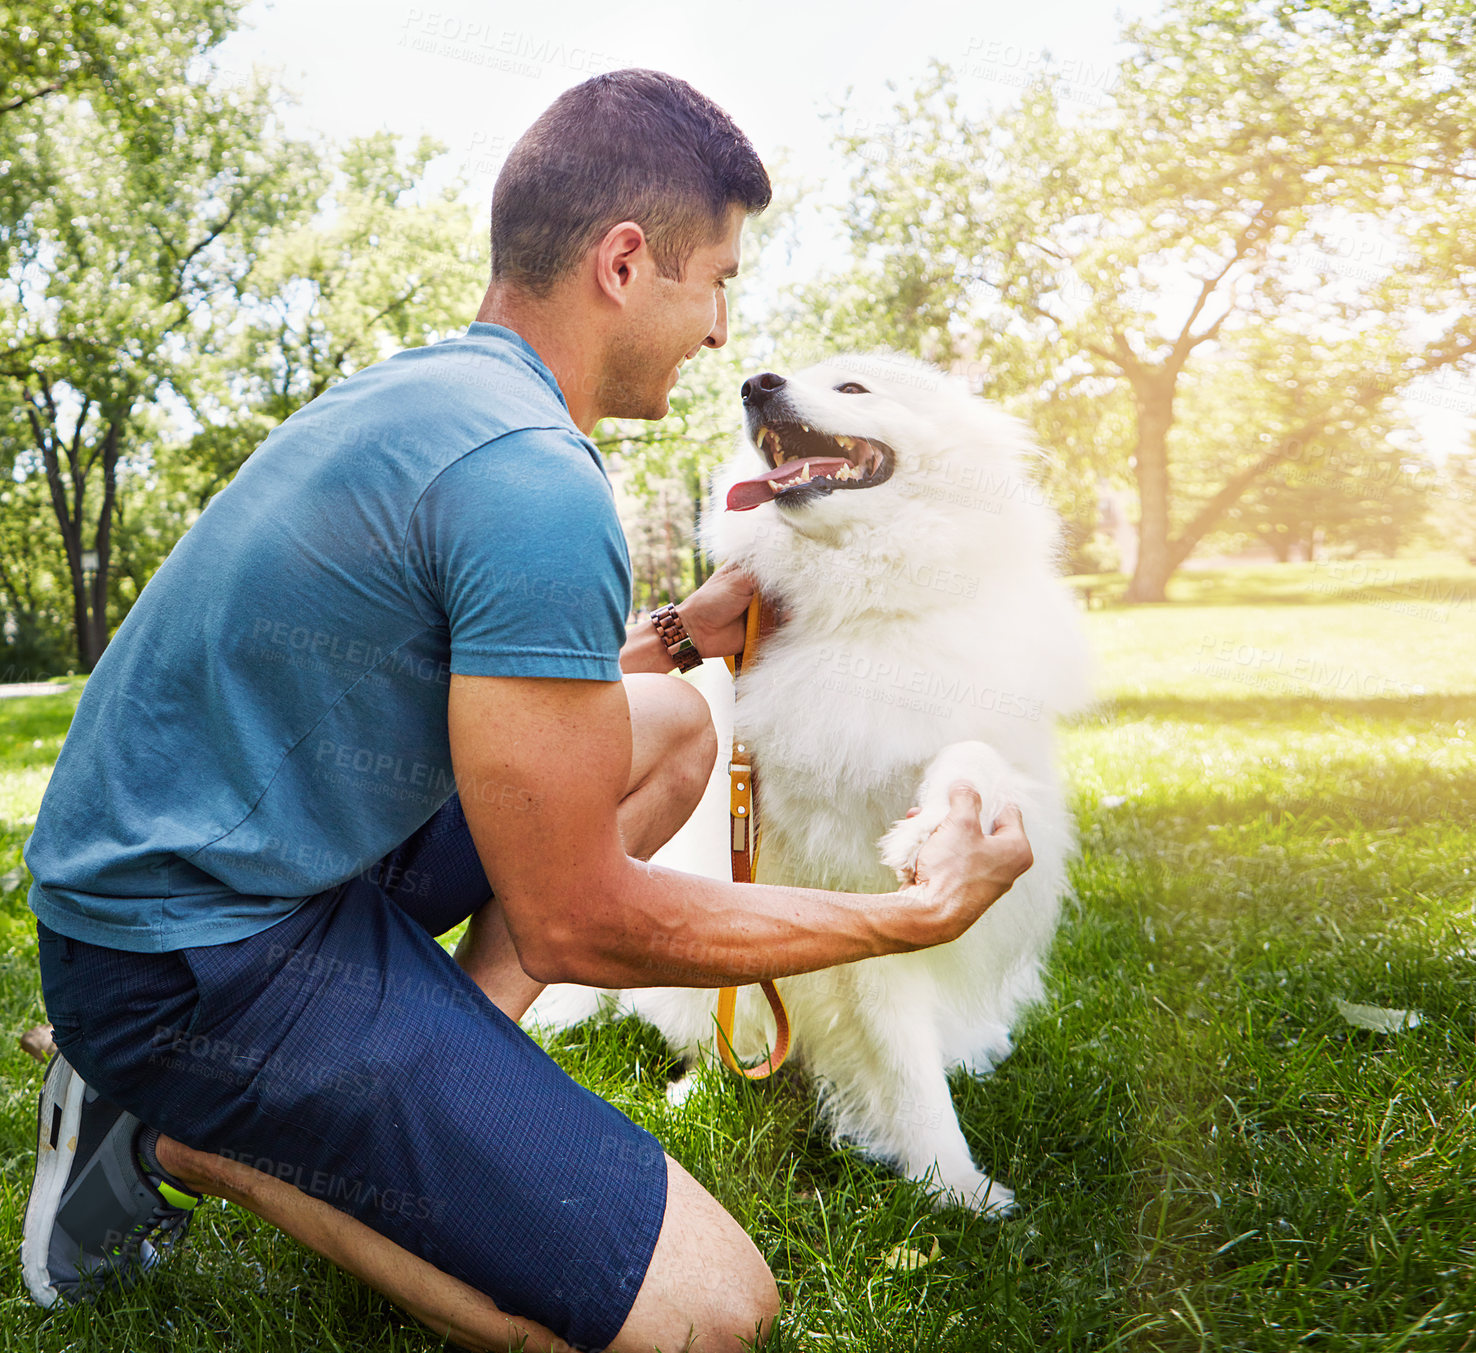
<point x="900" y="846"/>
<point x="975" y="763"/>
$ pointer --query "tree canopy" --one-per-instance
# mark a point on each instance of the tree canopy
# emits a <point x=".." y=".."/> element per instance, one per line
<point x="1200" y="219"/>
<point x="179" y="277"/>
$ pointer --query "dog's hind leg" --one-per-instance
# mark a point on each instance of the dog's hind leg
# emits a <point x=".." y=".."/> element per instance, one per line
<point x="563" y="1005"/>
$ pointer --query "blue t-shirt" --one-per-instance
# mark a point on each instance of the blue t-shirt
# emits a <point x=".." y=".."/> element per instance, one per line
<point x="270" y="719"/>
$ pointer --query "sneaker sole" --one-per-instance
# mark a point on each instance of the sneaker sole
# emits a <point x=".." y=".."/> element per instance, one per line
<point x="57" y="1122"/>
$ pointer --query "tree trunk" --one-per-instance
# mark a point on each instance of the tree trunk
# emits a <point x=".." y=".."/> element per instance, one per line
<point x="97" y="621"/>
<point x="700" y="572"/>
<point x="1155" y="566"/>
<point x="89" y="594"/>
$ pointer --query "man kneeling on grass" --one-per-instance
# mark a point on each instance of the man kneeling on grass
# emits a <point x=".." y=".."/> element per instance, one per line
<point x="383" y="686"/>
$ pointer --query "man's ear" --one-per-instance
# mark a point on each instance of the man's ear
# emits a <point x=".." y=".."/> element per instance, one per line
<point x="621" y="258"/>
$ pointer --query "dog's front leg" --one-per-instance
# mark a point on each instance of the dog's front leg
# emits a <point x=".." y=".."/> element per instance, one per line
<point x="884" y="1088"/>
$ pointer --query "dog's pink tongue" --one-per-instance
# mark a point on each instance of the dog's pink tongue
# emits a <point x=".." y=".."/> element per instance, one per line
<point x="751" y="493"/>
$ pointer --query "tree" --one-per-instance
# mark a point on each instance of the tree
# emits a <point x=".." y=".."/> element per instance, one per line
<point x="119" y="56"/>
<point x="187" y="279"/>
<point x="1455" y="515"/>
<point x="37" y="603"/>
<point x="1206" y="208"/>
<point x="116" y="279"/>
<point x="1362" y="487"/>
<point x="376" y="269"/>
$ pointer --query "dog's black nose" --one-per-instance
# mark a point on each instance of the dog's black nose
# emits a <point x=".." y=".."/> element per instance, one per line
<point x="756" y="387"/>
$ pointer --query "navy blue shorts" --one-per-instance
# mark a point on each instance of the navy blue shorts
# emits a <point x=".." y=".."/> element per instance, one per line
<point x="344" y="1050"/>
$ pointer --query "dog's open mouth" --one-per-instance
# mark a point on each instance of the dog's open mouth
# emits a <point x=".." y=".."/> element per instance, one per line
<point x="806" y="464"/>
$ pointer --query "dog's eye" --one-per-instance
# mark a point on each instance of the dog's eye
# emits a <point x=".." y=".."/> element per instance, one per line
<point x="851" y="388"/>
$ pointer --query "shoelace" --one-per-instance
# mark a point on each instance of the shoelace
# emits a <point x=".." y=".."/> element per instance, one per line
<point x="165" y="1228"/>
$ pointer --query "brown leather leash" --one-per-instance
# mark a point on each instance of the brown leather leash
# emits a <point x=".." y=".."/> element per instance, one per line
<point x="744" y="844"/>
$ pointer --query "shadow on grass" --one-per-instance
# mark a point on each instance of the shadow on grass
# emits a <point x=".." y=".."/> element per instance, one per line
<point x="1419" y="586"/>
<point x="1419" y="594"/>
<point x="1303" y="710"/>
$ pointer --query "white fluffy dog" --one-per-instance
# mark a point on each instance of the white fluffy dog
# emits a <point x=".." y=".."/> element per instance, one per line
<point x="925" y="639"/>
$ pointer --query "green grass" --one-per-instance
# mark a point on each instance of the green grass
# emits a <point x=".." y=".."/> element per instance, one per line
<point x="1276" y="799"/>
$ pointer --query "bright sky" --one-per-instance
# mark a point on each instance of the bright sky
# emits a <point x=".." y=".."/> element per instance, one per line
<point x="475" y="74"/>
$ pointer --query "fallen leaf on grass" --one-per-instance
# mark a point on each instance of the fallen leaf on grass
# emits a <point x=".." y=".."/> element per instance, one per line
<point x="905" y="1258"/>
<point x="1379" y="1018"/>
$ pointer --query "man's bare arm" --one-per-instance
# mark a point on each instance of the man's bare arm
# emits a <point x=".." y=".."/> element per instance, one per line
<point x="541" y="765"/>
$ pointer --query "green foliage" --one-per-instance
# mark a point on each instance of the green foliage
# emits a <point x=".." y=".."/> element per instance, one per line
<point x="134" y="217"/>
<point x="120" y="56"/>
<point x="180" y="278"/>
<point x="34" y="581"/>
<point x="1341" y="489"/>
<point x="1454" y="526"/>
<point x="378" y="267"/>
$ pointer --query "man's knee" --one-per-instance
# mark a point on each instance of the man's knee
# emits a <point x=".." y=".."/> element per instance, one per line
<point x="738" y="1316"/>
<point x="695" y="747"/>
<point x="675" y="736"/>
<point x="707" y="1286"/>
<point x="740" y="1302"/>
<point x="755" y="1307"/>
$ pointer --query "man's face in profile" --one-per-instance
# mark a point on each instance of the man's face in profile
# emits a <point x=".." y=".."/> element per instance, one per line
<point x="669" y="322"/>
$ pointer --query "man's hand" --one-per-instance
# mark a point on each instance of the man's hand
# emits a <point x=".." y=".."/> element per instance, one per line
<point x="714" y="617"/>
<point x="714" y="613"/>
<point x="961" y="872"/>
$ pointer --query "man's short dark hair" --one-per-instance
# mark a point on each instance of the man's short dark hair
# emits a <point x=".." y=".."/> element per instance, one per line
<point x="628" y="145"/>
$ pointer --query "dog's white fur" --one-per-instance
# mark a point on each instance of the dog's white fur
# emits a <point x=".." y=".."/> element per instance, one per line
<point x="926" y="640"/>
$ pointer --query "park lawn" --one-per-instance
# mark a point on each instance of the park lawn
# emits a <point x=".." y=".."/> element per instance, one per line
<point x="1277" y="796"/>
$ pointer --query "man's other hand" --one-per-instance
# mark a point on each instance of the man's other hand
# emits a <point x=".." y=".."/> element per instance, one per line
<point x="714" y="614"/>
<point x="960" y="872"/>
